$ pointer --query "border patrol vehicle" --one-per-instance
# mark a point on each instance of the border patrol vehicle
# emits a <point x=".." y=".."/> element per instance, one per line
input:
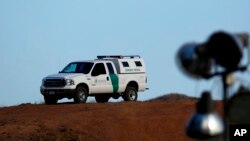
<point x="105" y="77"/>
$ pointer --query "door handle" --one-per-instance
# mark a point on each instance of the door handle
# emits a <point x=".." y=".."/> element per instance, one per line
<point x="107" y="78"/>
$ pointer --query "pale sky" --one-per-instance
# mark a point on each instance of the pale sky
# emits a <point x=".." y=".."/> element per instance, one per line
<point x="40" y="37"/>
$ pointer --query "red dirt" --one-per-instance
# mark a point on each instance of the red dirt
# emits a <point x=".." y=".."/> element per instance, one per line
<point x="124" y="121"/>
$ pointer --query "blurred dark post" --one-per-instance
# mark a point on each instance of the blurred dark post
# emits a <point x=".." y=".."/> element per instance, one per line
<point x="225" y="101"/>
<point x="222" y="49"/>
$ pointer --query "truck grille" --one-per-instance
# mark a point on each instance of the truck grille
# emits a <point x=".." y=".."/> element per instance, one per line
<point x="54" y="83"/>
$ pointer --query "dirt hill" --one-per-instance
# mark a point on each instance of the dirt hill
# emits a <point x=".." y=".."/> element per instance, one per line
<point x="124" y="121"/>
<point x="173" y="96"/>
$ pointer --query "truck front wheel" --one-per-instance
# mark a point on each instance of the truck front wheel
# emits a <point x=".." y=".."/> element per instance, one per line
<point x="50" y="99"/>
<point x="130" y="94"/>
<point x="81" y="95"/>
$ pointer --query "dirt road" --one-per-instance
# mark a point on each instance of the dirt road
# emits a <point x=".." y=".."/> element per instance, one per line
<point x="162" y="120"/>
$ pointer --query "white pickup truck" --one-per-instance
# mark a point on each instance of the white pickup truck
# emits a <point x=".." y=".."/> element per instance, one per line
<point x="103" y="78"/>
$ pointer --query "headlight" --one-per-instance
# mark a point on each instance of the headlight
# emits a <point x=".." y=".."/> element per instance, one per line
<point x="69" y="82"/>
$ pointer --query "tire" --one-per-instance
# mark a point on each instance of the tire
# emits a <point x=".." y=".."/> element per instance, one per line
<point x="81" y="95"/>
<point x="102" y="98"/>
<point x="130" y="94"/>
<point x="50" y="99"/>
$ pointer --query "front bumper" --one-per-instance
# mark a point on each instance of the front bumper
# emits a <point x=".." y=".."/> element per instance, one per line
<point x="59" y="93"/>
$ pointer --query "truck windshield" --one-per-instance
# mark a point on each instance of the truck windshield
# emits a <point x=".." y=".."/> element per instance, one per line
<point x="78" y="67"/>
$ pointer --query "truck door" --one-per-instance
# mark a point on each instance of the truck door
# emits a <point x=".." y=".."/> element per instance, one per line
<point x="113" y="77"/>
<point x="100" y="80"/>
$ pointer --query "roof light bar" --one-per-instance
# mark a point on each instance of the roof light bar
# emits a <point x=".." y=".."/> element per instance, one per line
<point x="117" y="56"/>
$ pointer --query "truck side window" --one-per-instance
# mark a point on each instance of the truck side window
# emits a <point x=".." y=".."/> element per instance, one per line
<point x="125" y="64"/>
<point x="98" y="69"/>
<point x="138" y="63"/>
<point x="111" y="69"/>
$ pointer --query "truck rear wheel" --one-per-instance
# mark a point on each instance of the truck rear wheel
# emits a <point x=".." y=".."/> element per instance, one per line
<point x="81" y="95"/>
<point x="102" y="98"/>
<point x="130" y="94"/>
<point x="50" y="99"/>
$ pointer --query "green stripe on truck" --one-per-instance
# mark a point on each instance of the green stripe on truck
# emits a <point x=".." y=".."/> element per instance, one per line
<point x="115" y="82"/>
